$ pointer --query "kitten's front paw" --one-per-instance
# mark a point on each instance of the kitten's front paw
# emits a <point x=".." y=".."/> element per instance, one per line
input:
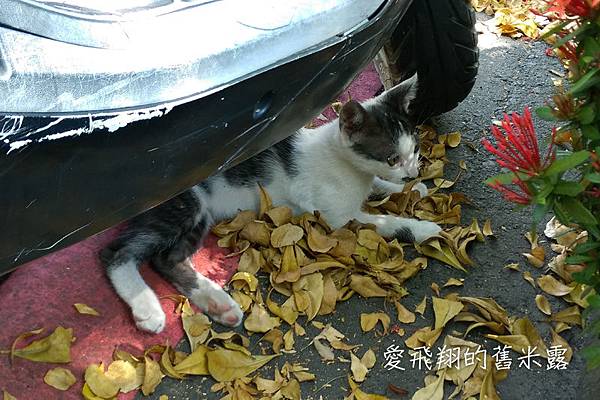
<point x="424" y="230"/>
<point x="149" y="316"/>
<point x="421" y="188"/>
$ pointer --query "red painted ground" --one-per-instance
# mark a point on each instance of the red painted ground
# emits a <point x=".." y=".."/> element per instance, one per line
<point x="42" y="293"/>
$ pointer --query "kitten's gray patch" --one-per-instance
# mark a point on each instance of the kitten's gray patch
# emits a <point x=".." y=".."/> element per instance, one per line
<point x="404" y="235"/>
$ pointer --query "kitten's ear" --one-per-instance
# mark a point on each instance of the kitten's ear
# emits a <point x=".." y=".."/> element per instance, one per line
<point x="352" y="118"/>
<point x="404" y="94"/>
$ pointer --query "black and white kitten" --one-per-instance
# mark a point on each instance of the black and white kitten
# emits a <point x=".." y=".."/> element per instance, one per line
<point x="333" y="169"/>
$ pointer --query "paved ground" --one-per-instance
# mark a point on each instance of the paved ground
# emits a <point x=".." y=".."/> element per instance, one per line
<point x="513" y="74"/>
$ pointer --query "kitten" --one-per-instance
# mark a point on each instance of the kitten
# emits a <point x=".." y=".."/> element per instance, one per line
<point x="333" y="169"/>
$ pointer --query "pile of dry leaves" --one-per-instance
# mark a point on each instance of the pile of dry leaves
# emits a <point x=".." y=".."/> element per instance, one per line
<point x="305" y="268"/>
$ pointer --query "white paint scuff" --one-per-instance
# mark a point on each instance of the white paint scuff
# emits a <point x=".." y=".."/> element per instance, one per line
<point x="110" y="122"/>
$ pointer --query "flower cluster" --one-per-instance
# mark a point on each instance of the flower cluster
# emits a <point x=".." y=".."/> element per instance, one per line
<point x="517" y="150"/>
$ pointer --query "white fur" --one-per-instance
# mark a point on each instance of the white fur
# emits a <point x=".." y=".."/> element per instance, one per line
<point x="145" y="306"/>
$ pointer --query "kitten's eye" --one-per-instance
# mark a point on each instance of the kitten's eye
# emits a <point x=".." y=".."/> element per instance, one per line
<point x="393" y="159"/>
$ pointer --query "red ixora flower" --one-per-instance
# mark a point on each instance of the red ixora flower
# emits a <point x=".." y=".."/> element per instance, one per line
<point x="572" y="8"/>
<point x="517" y="150"/>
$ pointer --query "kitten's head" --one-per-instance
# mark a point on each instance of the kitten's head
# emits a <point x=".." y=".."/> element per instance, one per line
<point x="382" y="132"/>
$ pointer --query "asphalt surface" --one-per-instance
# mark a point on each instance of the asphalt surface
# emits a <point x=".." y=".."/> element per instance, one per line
<point x="513" y="74"/>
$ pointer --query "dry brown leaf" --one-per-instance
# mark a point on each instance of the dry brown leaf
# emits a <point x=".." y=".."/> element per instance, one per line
<point x="85" y="309"/>
<point x="152" y="376"/>
<point x="543" y="304"/>
<point x="194" y="364"/>
<point x="433" y="391"/>
<point x="125" y="375"/>
<point x="99" y="383"/>
<point x="527" y="276"/>
<point x="60" y="378"/>
<point x="319" y="242"/>
<point x="552" y="286"/>
<point x="259" y="320"/>
<point x="512" y="266"/>
<point x="360" y="395"/>
<point x="559" y="342"/>
<point x="359" y="370"/>
<point x="454" y="282"/>
<point x="54" y="348"/>
<point x="8" y="396"/>
<point x="366" y="286"/>
<point x="280" y="215"/>
<point x="369" y="321"/>
<point x="368" y="359"/>
<point x="445" y="310"/>
<point x="310" y="289"/>
<point x="227" y="365"/>
<point x="323" y="349"/>
<point x="570" y="315"/>
<point x="420" y="308"/>
<point x="404" y="315"/>
<point x="286" y="235"/>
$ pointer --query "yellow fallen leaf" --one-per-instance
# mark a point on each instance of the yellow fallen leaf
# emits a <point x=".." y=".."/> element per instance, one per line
<point x="570" y="315"/>
<point x="454" y="139"/>
<point x="420" y="308"/>
<point x="518" y="343"/>
<point x="196" y="327"/>
<point x="366" y="286"/>
<point x="87" y="393"/>
<point x="368" y="321"/>
<point x="85" y="309"/>
<point x="360" y="395"/>
<point x="323" y="349"/>
<point x="256" y="232"/>
<point x="433" y="391"/>
<point x="488" y="388"/>
<point x="404" y="315"/>
<point x="194" y="364"/>
<point x="558" y="342"/>
<point x="552" y="286"/>
<point x="99" y="383"/>
<point x="265" y="201"/>
<point x="319" y="242"/>
<point x="543" y="304"/>
<point x="55" y="348"/>
<point x="454" y="282"/>
<point x="227" y="365"/>
<point x="359" y="370"/>
<point x="513" y="266"/>
<point x="60" y="378"/>
<point x="125" y="375"/>
<point x="152" y="376"/>
<point x="527" y="276"/>
<point x="311" y="286"/>
<point x="259" y="320"/>
<point x="22" y="336"/>
<point x="445" y="310"/>
<point x="280" y="215"/>
<point x="286" y="235"/>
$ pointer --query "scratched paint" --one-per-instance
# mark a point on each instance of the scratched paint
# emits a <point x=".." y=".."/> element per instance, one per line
<point x="15" y="135"/>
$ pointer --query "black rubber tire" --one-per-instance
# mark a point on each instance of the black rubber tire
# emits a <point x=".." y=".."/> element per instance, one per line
<point x="437" y="39"/>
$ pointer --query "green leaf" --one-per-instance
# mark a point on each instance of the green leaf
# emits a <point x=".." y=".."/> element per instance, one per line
<point x="540" y="197"/>
<point x="539" y="211"/>
<point x="578" y="259"/>
<point x="503" y="179"/>
<point x="591" y="47"/>
<point x="587" y="114"/>
<point x="582" y="248"/>
<point x="568" y="188"/>
<point x="546" y="113"/>
<point x="592" y="355"/>
<point x="594" y="301"/>
<point x="576" y="211"/>
<point x="593" y="177"/>
<point x="561" y="165"/>
<point x="571" y="35"/>
<point x="588" y="80"/>
<point x="555" y="29"/>
<point x="590" y="132"/>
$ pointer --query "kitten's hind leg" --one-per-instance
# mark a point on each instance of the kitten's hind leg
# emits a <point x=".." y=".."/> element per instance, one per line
<point x="211" y="298"/>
